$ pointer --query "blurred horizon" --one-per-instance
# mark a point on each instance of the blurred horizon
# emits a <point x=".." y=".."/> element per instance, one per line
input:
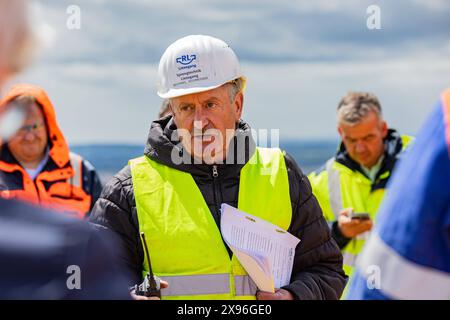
<point x="108" y="159"/>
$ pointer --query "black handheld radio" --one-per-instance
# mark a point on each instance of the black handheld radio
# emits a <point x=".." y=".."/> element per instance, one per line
<point x="151" y="286"/>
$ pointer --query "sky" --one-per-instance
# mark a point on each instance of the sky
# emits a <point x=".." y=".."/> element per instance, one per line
<point x="300" y="58"/>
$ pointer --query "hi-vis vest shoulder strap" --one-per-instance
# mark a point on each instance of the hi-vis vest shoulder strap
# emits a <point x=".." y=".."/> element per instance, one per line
<point x="185" y="245"/>
<point x="334" y="188"/>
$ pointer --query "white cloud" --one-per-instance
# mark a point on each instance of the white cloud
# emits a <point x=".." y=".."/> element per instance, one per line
<point x="433" y="5"/>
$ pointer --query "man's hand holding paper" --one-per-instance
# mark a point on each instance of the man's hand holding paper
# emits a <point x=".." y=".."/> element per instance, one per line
<point x="264" y="250"/>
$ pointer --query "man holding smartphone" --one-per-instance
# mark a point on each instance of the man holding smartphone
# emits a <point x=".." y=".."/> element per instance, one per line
<point x="351" y="185"/>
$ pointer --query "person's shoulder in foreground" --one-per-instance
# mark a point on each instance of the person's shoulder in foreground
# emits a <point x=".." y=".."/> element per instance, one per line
<point x="46" y="255"/>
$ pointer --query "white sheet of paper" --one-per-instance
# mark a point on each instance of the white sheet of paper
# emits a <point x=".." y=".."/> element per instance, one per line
<point x="258" y="267"/>
<point x="270" y="247"/>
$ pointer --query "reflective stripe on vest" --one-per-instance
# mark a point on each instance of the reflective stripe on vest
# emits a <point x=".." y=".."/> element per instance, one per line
<point x="197" y="284"/>
<point x="245" y="286"/>
<point x="401" y="278"/>
<point x="185" y="245"/>
<point x="76" y="163"/>
<point x="334" y="188"/>
<point x="208" y="284"/>
<point x="349" y="258"/>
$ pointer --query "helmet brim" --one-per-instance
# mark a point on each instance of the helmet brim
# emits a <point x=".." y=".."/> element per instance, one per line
<point x="173" y="93"/>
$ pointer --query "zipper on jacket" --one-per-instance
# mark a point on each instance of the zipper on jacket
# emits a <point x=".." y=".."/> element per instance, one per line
<point x="216" y="187"/>
<point x="218" y="201"/>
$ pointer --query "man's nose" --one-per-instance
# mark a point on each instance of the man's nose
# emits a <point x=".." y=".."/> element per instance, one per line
<point x="29" y="136"/>
<point x="200" y="119"/>
<point x="360" y="147"/>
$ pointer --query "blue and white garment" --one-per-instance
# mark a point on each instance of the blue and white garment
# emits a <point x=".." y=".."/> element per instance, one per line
<point x="408" y="255"/>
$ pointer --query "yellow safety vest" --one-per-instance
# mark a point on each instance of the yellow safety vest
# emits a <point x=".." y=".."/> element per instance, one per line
<point x="339" y="187"/>
<point x="185" y="244"/>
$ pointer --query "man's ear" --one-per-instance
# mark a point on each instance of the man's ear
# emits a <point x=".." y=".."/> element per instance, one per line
<point x="339" y="130"/>
<point x="384" y="129"/>
<point x="238" y="105"/>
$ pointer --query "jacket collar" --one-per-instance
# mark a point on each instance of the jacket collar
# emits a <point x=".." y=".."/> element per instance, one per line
<point x="9" y="163"/>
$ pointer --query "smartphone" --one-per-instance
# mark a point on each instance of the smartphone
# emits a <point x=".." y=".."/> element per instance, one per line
<point x="360" y="216"/>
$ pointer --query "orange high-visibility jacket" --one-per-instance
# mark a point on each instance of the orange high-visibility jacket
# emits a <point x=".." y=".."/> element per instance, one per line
<point x="67" y="182"/>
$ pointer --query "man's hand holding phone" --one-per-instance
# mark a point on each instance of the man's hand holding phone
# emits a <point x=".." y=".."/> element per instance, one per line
<point x="352" y="224"/>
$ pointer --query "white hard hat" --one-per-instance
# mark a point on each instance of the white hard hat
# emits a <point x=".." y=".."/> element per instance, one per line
<point x="194" y="64"/>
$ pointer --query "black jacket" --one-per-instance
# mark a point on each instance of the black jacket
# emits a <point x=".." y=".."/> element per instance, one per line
<point x="317" y="271"/>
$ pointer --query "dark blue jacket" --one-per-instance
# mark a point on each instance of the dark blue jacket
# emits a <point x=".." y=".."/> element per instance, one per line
<point x="41" y="253"/>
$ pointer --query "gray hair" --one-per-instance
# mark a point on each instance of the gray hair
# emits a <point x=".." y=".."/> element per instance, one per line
<point x="355" y="106"/>
<point x="235" y="86"/>
<point x="16" y="40"/>
<point x="24" y="103"/>
<point x="165" y="109"/>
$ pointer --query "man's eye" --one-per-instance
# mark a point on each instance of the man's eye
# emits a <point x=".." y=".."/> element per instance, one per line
<point x="210" y="105"/>
<point x="185" y="108"/>
<point x="351" y="140"/>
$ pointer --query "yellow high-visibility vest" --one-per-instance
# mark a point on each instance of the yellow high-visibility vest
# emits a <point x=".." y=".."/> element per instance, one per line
<point x="185" y="244"/>
<point x="339" y="187"/>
